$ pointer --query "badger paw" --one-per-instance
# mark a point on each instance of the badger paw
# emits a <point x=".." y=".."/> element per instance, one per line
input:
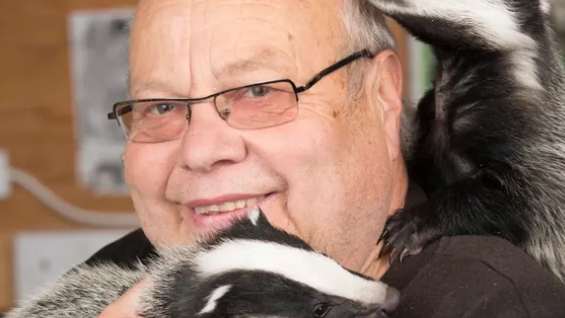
<point x="406" y="234"/>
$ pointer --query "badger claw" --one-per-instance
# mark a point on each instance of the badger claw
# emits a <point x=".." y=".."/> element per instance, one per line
<point x="383" y="235"/>
<point x="404" y="254"/>
<point x="406" y="234"/>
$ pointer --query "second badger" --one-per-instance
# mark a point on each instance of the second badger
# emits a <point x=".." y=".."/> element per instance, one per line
<point x="489" y="142"/>
<point x="249" y="270"/>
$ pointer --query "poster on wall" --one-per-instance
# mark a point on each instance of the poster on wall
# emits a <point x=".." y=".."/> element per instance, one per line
<point x="98" y="44"/>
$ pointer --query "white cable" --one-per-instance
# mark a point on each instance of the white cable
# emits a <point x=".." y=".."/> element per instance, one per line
<point x="69" y="211"/>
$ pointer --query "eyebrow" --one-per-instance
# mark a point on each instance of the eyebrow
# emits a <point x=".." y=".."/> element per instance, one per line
<point x="151" y="84"/>
<point x="263" y="59"/>
<point x="139" y="88"/>
<point x="144" y="86"/>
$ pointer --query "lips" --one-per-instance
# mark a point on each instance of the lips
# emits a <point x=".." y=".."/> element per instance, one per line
<point x="228" y="206"/>
<point x="222" y="212"/>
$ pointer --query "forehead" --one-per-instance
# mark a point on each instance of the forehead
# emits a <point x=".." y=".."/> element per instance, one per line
<point x="211" y="42"/>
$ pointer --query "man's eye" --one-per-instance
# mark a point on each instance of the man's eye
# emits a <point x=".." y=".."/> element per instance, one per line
<point x="258" y="91"/>
<point x="161" y="108"/>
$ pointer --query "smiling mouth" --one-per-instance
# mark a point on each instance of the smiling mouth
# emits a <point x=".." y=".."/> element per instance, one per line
<point x="228" y="206"/>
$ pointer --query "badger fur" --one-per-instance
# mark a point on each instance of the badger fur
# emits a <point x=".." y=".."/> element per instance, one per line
<point x="249" y="270"/>
<point x="489" y="148"/>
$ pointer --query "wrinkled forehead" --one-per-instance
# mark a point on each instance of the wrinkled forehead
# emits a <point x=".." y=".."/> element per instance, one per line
<point x="187" y="46"/>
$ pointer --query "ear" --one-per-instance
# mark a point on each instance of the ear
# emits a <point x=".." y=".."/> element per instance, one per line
<point x="213" y="298"/>
<point x="383" y="84"/>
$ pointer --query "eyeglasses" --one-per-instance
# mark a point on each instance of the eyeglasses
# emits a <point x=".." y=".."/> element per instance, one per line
<point x="254" y="106"/>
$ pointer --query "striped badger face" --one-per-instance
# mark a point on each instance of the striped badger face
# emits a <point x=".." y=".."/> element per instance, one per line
<point x="255" y="270"/>
<point x="265" y="294"/>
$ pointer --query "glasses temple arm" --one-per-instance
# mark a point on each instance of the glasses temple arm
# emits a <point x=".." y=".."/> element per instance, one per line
<point x="334" y="67"/>
<point x="125" y="110"/>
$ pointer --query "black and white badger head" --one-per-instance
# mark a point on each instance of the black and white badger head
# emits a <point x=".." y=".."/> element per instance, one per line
<point x="255" y="270"/>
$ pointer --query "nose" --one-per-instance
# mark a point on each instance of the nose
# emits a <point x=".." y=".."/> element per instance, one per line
<point x="392" y="299"/>
<point x="209" y="141"/>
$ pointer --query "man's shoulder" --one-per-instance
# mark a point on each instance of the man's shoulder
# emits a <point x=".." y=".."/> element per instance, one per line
<point x="496" y="254"/>
<point x="499" y="258"/>
<point x="125" y="251"/>
<point x="476" y="276"/>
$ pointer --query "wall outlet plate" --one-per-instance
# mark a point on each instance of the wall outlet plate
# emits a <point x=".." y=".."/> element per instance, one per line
<point x="42" y="257"/>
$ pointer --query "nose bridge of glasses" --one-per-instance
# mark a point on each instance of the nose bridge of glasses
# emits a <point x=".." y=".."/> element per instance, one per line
<point x="202" y="100"/>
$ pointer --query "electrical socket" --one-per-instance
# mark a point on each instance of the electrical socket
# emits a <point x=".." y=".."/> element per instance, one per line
<point x="40" y="257"/>
<point x="5" y="175"/>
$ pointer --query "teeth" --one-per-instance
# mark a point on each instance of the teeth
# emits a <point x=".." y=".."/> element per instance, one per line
<point x="228" y="206"/>
<point x="252" y="201"/>
<point x="239" y="204"/>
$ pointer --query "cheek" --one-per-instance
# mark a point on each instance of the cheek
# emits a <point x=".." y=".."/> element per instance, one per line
<point x="338" y="179"/>
<point x="301" y="153"/>
<point x="313" y="155"/>
<point x="147" y="168"/>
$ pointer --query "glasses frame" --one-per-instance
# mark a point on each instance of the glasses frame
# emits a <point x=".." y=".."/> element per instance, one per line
<point x="297" y="89"/>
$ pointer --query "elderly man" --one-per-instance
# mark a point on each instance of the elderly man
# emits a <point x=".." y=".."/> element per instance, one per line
<point x="296" y="108"/>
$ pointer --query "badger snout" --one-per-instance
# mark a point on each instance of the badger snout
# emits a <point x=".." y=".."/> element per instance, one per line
<point x="392" y="299"/>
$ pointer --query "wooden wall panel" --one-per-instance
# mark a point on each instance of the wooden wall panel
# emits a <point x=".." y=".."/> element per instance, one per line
<point x="36" y="117"/>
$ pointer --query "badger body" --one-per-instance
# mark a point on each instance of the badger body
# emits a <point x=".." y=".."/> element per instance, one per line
<point x="489" y="142"/>
<point x="249" y="270"/>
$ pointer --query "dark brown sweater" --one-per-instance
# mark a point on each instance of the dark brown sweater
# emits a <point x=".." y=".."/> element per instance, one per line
<point x="472" y="277"/>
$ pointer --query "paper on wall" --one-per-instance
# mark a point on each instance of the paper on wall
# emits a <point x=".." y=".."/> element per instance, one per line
<point x="98" y="52"/>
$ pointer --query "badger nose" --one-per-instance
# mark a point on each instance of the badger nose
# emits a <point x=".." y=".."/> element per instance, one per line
<point x="392" y="299"/>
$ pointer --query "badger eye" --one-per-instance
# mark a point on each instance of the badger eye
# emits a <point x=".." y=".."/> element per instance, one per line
<point x="321" y="310"/>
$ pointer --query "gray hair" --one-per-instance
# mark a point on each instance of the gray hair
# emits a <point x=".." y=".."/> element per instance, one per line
<point x="365" y="28"/>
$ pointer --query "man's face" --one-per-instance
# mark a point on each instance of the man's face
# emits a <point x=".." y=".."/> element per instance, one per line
<point x="330" y="176"/>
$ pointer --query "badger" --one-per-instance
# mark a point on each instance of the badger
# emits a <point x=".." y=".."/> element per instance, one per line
<point x="251" y="269"/>
<point x="488" y="147"/>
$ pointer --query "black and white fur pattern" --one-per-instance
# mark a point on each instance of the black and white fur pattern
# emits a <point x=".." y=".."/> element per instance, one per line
<point x="250" y="270"/>
<point x="489" y="148"/>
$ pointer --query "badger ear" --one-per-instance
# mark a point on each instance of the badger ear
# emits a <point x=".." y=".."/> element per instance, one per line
<point x="213" y="298"/>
